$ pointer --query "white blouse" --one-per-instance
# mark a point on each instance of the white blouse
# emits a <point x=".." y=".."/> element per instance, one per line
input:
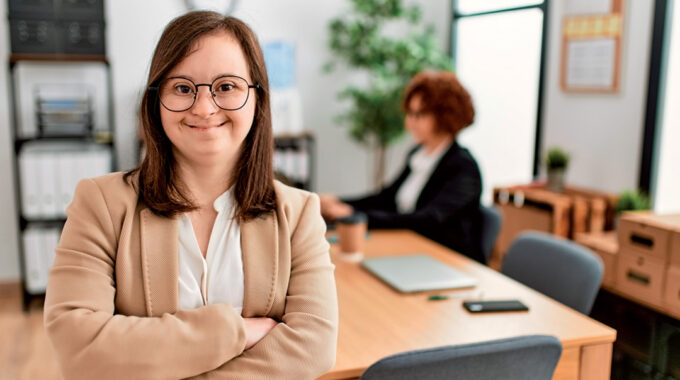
<point x="422" y="165"/>
<point x="218" y="278"/>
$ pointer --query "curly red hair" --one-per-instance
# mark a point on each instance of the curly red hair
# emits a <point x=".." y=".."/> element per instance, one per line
<point x="442" y="94"/>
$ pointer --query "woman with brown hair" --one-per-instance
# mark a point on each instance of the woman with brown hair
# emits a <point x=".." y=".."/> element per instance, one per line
<point x="437" y="193"/>
<point x="196" y="262"/>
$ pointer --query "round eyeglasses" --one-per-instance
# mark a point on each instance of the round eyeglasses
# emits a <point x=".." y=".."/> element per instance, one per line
<point x="229" y="92"/>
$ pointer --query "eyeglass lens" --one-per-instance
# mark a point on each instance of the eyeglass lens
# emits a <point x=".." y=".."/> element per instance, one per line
<point x="228" y="92"/>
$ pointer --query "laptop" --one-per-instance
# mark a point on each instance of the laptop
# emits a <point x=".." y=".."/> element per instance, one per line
<point x="416" y="273"/>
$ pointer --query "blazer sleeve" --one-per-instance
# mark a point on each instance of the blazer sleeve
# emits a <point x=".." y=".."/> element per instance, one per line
<point x="461" y="187"/>
<point x="91" y="341"/>
<point x="303" y="345"/>
<point x="385" y="199"/>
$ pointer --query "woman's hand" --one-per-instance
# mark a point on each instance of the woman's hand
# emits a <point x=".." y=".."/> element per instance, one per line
<point x="332" y="208"/>
<point x="327" y="201"/>
<point x="257" y="328"/>
<point x="340" y="210"/>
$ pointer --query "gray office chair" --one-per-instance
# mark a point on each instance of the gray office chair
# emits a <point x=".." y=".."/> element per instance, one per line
<point x="491" y="226"/>
<point x="558" y="268"/>
<point x="522" y="358"/>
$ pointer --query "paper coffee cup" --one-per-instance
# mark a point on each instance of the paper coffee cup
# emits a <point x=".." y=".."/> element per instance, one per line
<point x="351" y="231"/>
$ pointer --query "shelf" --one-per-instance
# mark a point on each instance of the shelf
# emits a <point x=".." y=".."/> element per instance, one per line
<point x="16" y="57"/>
<point x="294" y="136"/>
<point x="19" y="142"/>
<point x="25" y="222"/>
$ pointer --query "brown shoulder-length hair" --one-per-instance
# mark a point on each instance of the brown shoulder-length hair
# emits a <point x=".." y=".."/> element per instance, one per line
<point x="442" y="94"/>
<point x="159" y="186"/>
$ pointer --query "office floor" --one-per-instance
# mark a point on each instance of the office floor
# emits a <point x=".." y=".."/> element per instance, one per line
<point x="25" y="352"/>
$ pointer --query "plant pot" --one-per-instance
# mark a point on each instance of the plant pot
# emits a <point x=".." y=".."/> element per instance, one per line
<point x="556" y="179"/>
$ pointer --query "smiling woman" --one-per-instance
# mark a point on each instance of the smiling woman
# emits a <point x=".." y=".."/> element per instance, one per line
<point x="196" y="263"/>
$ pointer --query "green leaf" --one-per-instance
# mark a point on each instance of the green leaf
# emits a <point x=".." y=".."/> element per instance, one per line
<point x="357" y="40"/>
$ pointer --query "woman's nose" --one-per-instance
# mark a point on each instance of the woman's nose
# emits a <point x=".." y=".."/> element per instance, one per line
<point x="204" y="105"/>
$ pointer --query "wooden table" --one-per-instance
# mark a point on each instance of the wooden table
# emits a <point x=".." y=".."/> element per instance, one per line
<point x="377" y="321"/>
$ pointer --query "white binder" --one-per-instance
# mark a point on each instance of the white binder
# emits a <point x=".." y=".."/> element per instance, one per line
<point x="34" y="277"/>
<point x="67" y="167"/>
<point x="48" y="184"/>
<point x="51" y="240"/>
<point x="30" y="184"/>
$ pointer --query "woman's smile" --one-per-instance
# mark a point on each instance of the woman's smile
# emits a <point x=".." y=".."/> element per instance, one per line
<point x="205" y="126"/>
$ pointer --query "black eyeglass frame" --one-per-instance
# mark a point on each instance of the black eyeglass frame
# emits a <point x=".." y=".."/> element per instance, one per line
<point x="212" y="94"/>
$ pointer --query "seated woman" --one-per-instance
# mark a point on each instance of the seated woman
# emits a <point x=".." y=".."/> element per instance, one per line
<point x="196" y="263"/>
<point x="437" y="193"/>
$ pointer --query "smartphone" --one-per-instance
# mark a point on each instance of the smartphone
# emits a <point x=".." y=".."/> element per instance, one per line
<point x="493" y="306"/>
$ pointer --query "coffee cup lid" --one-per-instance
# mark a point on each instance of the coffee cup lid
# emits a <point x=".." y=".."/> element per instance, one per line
<point x="357" y="217"/>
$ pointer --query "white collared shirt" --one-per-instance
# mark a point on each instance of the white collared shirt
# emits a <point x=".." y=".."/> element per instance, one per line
<point x="217" y="278"/>
<point x="422" y="165"/>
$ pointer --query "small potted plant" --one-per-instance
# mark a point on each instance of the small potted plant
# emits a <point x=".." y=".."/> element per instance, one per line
<point x="556" y="162"/>
<point x="632" y="201"/>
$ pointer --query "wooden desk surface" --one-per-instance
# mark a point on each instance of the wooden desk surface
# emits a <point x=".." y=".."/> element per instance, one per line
<point x="377" y="321"/>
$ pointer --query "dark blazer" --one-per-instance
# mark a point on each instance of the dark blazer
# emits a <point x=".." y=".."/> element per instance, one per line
<point x="447" y="210"/>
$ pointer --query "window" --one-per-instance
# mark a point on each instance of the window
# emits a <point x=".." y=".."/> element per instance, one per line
<point x="498" y="55"/>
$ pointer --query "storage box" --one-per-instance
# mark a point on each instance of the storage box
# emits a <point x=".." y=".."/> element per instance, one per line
<point x="647" y="233"/>
<point x="609" y="261"/>
<point x="32" y="9"/>
<point x="526" y="208"/>
<point x="33" y="36"/>
<point x="83" y="37"/>
<point x="606" y="246"/>
<point x="675" y="249"/>
<point x="92" y="10"/>
<point x="672" y="294"/>
<point x="57" y="10"/>
<point x="641" y="277"/>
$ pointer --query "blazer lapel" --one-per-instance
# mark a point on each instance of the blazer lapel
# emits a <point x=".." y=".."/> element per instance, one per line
<point x="260" y="249"/>
<point x="159" y="236"/>
<point x="434" y="182"/>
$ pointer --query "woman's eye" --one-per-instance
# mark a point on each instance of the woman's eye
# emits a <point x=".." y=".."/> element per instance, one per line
<point x="183" y="89"/>
<point x="225" y="87"/>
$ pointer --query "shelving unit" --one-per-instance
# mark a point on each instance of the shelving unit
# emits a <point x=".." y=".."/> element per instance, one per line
<point x="294" y="159"/>
<point x="61" y="128"/>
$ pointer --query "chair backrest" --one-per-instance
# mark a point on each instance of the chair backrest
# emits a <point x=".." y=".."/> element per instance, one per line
<point x="558" y="268"/>
<point x="491" y="226"/>
<point x="521" y="358"/>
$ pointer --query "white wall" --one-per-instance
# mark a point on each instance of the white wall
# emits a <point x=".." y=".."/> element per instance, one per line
<point x="666" y="188"/>
<point x="9" y="259"/>
<point x="603" y="133"/>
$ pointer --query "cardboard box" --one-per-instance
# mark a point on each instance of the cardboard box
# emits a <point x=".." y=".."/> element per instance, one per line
<point x="641" y="277"/>
<point x="647" y="233"/>
<point x="606" y="246"/>
<point x="609" y="259"/>
<point x="675" y="249"/>
<point x="672" y="294"/>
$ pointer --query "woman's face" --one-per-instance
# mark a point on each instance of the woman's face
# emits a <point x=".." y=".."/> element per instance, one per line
<point x="421" y="125"/>
<point x="205" y="133"/>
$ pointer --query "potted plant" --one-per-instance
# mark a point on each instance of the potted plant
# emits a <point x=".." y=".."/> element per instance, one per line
<point x="632" y="201"/>
<point x="358" y="40"/>
<point x="557" y="161"/>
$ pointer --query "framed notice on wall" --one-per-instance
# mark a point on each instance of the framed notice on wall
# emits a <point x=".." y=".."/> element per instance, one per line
<point x="591" y="46"/>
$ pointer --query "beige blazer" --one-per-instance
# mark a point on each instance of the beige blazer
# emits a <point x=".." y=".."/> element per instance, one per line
<point x="111" y="305"/>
